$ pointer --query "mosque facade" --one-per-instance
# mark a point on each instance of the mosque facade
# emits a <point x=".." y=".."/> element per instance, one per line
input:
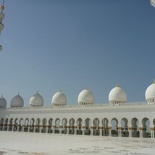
<point x="116" y="118"/>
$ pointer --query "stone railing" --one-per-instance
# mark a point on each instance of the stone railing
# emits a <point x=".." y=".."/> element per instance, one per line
<point x="86" y="106"/>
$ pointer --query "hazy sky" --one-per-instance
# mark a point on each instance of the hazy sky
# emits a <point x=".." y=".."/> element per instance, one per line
<point x="50" y="45"/>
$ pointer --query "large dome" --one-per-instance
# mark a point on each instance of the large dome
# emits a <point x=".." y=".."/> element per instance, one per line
<point x="59" y="98"/>
<point x="117" y="95"/>
<point x="150" y="93"/>
<point x="85" y="97"/>
<point x="17" y="101"/>
<point x="36" y="100"/>
<point x="3" y="102"/>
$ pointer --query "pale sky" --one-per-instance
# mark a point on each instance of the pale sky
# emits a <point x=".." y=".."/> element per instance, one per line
<point x="50" y="45"/>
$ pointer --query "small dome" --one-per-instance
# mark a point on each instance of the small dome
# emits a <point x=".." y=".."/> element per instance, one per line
<point x="150" y="93"/>
<point x="17" y="101"/>
<point x="117" y="95"/>
<point x="85" y="97"/>
<point x="36" y="100"/>
<point x="59" y="98"/>
<point x="3" y="102"/>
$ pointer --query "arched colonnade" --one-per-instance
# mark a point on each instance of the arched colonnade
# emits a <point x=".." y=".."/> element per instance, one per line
<point x="124" y="127"/>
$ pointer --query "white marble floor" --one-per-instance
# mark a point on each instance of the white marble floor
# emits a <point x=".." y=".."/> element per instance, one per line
<point x="16" y="143"/>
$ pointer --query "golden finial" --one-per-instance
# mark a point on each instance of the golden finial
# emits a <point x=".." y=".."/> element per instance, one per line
<point x="2" y="6"/>
<point x="153" y="81"/>
<point x="117" y="85"/>
<point x="86" y="87"/>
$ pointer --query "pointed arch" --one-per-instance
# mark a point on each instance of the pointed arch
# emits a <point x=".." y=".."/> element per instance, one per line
<point x="37" y="125"/>
<point x="50" y="124"/>
<point x="44" y="121"/>
<point x="26" y="125"/>
<point x="114" y="124"/>
<point x="135" y="128"/>
<point x="71" y="126"/>
<point x="87" y="126"/>
<point x="105" y="129"/>
<point x="64" y="126"/>
<point x="79" y="126"/>
<point x="124" y="125"/>
<point x="96" y="130"/>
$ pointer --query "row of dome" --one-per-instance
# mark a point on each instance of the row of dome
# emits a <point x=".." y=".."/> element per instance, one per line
<point x="116" y="95"/>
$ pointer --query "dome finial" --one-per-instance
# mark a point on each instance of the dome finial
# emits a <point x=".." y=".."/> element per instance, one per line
<point x="153" y="81"/>
<point x="1" y="95"/>
<point x="117" y="85"/>
<point x="86" y="87"/>
<point x="2" y="6"/>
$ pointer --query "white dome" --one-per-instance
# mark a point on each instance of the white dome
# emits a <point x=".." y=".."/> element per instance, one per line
<point x="85" y="97"/>
<point x="118" y="95"/>
<point x="3" y="102"/>
<point x="17" y="101"/>
<point x="59" y="99"/>
<point x="150" y="92"/>
<point x="36" y="100"/>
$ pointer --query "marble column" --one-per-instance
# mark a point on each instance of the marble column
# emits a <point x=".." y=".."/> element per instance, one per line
<point x="75" y="130"/>
<point x="141" y="132"/>
<point x="119" y="131"/>
<point x="100" y="129"/>
<point x="109" y="131"/>
<point x="152" y="132"/>
<point x="130" y="131"/>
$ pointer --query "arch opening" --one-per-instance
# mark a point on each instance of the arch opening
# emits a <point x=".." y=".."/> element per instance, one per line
<point x="146" y="131"/>
<point x="57" y="125"/>
<point x="71" y="126"/>
<point x="64" y="126"/>
<point x="44" y="121"/>
<point x="135" y="128"/>
<point x="124" y="129"/>
<point x="114" y="124"/>
<point x="6" y="124"/>
<point x="1" y="124"/>
<point x="105" y="127"/>
<point x="87" y="126"/>
<point x="11" y="124"/>
<point x="32" y="125"/>
<point x="21" y="125"/>
<point x="15" y="125"/>
<point x="50" y="125"/>
<point x="26" y="123"/>
<point x="37" y="125"/>
<point x="79" y="126"/>
<point x="96" y="130"/>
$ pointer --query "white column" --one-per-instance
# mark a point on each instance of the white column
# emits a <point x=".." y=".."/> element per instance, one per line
<point x="110" y="131"/>
<point x="100" y="129"/>
<point x="60" y="129"/>
<point x="119" y="131"/>
<point x="75" y="129"/>
<point x="140" y="132"/>
<point x="91" y="128"/>
<point x="67" y="129"/>
<point x="53" y="129"/>
<point x="83" y="129"/>
<point x="130" y="131"/>
<point x="152" y="132"/>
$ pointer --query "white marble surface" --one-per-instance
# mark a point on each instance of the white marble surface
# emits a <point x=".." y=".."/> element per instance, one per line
<point x="16" y="143"/>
